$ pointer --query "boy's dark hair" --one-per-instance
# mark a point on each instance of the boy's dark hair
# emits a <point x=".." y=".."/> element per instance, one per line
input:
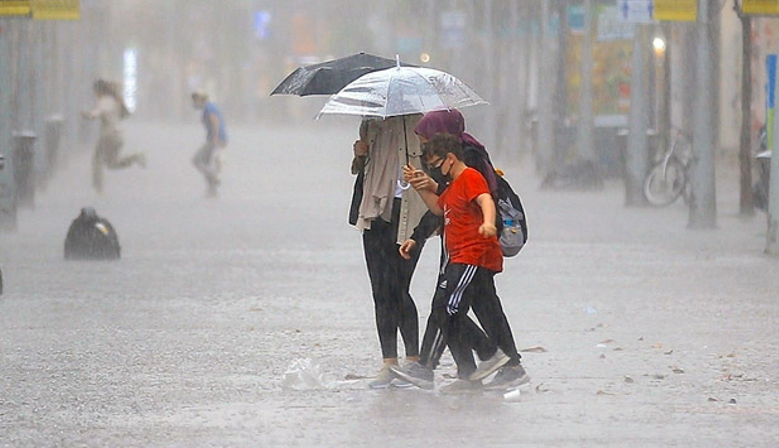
<point x="442" y="144"/>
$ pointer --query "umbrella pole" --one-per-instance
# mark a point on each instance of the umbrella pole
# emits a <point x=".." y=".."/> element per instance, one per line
<point x="405" y="138"/>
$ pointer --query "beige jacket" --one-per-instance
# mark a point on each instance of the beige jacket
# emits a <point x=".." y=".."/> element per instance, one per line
<point x="386" y="156"/>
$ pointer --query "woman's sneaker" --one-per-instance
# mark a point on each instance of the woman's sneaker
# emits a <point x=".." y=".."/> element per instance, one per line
<point x="508" y="377"/>
<point x="489" y="366"/>
<point x="383" y="379"/>
<point x="398" y="383"/>
<point x="415" y="373"/>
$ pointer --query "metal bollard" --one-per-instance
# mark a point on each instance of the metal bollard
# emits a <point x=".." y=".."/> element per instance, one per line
<point x="54" y="126"/>
<point x="622" y="144"/>
<point x="23" y="162"/>
<point x="7" y="198"/>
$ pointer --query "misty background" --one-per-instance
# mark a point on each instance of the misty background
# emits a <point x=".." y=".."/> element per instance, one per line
<point x="636" y="330"/>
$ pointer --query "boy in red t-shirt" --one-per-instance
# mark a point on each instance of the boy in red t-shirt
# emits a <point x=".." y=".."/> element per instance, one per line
<point x="474" y="257"/>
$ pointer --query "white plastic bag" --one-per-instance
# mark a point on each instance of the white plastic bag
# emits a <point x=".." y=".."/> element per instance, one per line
<point x="304" y="374"/>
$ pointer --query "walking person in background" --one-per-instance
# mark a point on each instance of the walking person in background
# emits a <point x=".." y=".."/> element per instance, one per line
<point x="110" y="109"/>
<point x="386" y="210"/>
<point x="207" y="159"/>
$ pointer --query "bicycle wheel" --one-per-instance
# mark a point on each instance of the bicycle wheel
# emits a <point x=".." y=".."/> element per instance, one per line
<point x="663" y="188"/>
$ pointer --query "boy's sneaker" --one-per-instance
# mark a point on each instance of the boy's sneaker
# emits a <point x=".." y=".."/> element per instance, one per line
<point x="488" y="367"/>
<point x="415" y="373"/>
<point x="508" y="377"/>
<point x="459" y="387"/>
<point x="383" y="379"/>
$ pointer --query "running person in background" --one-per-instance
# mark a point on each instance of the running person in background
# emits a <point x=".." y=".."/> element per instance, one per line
<point x="110" y="109"/>
<point x="206" y="159"/>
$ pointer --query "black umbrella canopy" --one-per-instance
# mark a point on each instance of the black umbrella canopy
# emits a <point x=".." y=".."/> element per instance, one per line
<point x="329" y="77"/>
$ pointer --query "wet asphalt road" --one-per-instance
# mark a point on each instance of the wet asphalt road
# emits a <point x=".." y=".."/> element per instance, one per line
<point x="654" y="335"/>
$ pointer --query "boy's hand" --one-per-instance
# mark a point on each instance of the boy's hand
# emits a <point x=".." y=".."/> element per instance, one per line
<point x="488" y="230"/>
<point x="406" y="248"/>
<point x="418" y="179"/>
<point x="360" y="148"/>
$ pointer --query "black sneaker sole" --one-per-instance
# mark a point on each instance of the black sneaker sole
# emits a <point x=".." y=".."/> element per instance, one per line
<point x="521" y="381"/>
<point x="477" y="375"/>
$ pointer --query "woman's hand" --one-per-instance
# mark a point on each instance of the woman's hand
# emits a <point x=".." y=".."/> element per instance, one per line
<point x="360" y="148"/>
<point x="407" y="248"/>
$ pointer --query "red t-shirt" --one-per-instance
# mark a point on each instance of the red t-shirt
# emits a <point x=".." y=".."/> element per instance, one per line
<point x="462" y="218"/>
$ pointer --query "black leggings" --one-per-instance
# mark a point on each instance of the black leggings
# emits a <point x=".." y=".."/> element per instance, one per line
<point x="390" y="276"/>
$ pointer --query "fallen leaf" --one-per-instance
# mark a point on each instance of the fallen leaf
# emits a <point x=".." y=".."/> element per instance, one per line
<point x="601" y="392"/>
<point x="540" y="390"/>
<point x="657" y="345"/>
<point x="536" y="349"/>
<point x="352" y="376"/>
<point x="607" y="341"/>
<point x="255" y="309"/>
<point x="731" y="355"/>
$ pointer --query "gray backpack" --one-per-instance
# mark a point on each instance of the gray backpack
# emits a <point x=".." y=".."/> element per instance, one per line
<point x="513" y="232"/>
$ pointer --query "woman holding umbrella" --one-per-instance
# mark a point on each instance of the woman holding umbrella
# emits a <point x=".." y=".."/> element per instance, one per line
<point x="383" y="205"/>
<point x="386" y="210"/>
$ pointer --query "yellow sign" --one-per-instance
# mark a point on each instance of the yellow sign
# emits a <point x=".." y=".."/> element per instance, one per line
<point x="676" y="10"/>
<point x="760" y="7"/>
<point x="14" y="8"/>
<point x="55" y="9"/>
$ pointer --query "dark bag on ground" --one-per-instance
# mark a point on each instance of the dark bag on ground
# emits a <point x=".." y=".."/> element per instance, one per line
<point x="512" y="233"/>
<point x="91" y="237"/>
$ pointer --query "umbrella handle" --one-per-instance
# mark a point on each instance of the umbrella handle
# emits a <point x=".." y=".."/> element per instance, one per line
<point x="403" y="184"/>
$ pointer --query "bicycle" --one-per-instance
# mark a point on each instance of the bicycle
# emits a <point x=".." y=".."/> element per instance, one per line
<point x="668" y="178"/>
